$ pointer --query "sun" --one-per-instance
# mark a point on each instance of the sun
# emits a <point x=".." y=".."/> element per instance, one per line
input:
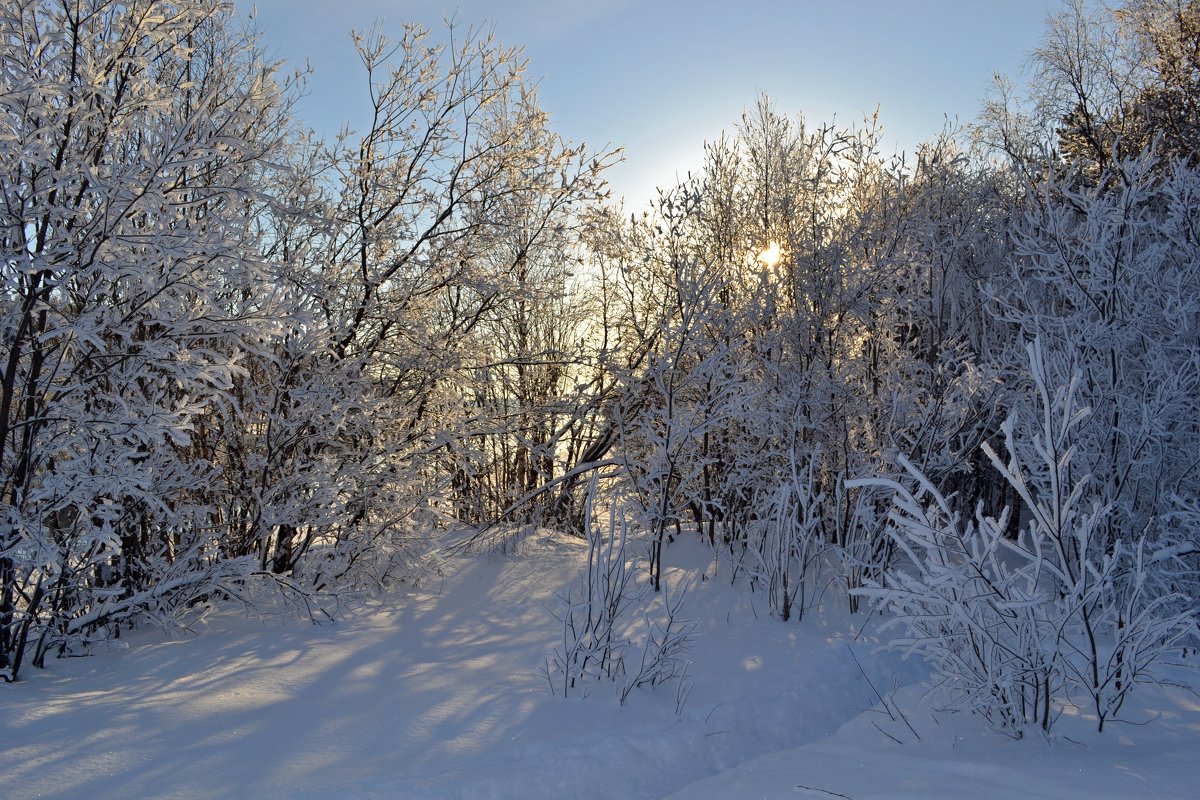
<point x="770" y="256"/>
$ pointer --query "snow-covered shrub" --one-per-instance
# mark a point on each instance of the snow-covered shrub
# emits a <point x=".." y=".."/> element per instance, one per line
<point x="863" y="548"/>
<point x="1017" y="628"/>
<point x="783" y="545"/>
<point x="1109" y="274"/>
<point x="131" y="294"/>
<point x="663" y="648"/>
<point x="962" y="608"/>
<point x="600" y="619"/>
<point x="593" y="614"/>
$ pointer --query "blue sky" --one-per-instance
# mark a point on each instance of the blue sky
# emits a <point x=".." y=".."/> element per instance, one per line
<point x="660" y="78"/>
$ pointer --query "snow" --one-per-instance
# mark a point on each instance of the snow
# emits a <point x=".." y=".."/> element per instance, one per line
<point x="435" y="692"/>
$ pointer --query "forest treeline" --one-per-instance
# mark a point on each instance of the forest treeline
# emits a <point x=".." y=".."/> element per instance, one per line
<point x="244" y="364"/>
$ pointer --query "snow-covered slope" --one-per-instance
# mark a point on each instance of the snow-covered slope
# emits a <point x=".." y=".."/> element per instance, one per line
<point x="436" y="693"/>
<point x="956" y="758"/>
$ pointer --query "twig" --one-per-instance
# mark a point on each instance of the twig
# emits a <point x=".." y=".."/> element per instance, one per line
<point x="823" y="791"/>
<point x="888" y="707"/>
<point x="875" y="725"/>
<point x="863" y="672"/>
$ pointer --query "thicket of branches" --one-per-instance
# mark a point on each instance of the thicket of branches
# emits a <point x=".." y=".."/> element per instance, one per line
<point x="239" y="359"/>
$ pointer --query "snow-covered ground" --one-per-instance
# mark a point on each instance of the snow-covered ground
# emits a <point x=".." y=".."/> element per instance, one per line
<point x="436" y="693"/>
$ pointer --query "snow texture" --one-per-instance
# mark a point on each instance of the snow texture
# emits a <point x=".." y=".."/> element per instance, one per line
<point x="437" y="693"/>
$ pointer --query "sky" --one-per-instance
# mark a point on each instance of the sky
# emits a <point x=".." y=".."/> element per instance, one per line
<point x="661" y="77"/>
